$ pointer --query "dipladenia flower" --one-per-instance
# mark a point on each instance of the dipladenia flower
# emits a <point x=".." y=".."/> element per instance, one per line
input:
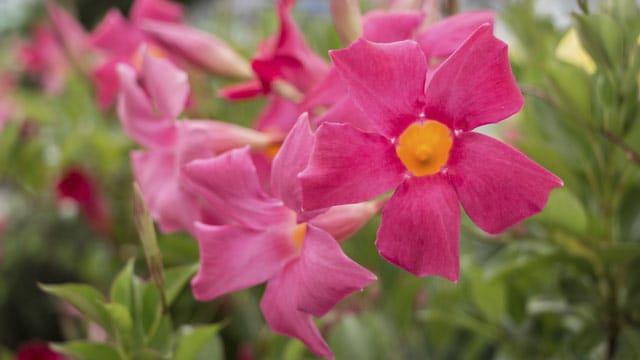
<point x="77" y="185"/>
<point x="306" y="271"/>
<point x="148" y="114"/>
<point x="285" y="56"/>
<point x="423" y="146"/>
<point x="118" y="39"/>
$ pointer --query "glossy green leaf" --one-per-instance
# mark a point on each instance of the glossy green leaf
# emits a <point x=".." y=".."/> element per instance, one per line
<point x="84" y="298"/>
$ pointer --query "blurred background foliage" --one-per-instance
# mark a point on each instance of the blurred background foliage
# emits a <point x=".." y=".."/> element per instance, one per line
<point x="562" y="285"/>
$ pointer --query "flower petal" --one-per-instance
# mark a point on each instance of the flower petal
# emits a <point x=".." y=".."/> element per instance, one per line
<point x="442" y="38"/>
<point x="327" y="275"/>
<point x="389" y="26"/>
<point x="292" y="158"/>
<point x="229" y="184"/>
<point x="136" y="114"/>
<point x="475" y="85"/>
<point x="233" y="257"/>
<point x="162" y="10"/>
<point x="173" y="208"/>
<point x="420" y="228"/>
<point x="345" y="111"/>
<point x="348" y="166"/>
<point x="278" y="116"/>
<point x="497" y="185"/>
<point x="385" y="80"/>
<point x="342" y="221"/>
<point x="280" y="310"/>
<point x="167" y="85"/>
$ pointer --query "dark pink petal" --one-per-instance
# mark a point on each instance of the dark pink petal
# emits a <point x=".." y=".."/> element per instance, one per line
<point x="245" y="90"/>
<point x="136" y="114"/>
<point x="342" y="221"/>
<point x="385" y="80"/>
<point x="162" y="10"/>
<point x="327" y="275"/>
<point x="280" y="310"/>
<point x="234" y="257"/>
<point x="279" y="115"/>
<point x="348" y="166"/>
<point x="442" y="38"/>
<point x="105" y="78"/>
<point x="172" y="207"/>
<point x="229" y="184"/>
<point x="292" y="158"/>
<point x="389" y="26"/>
<point x="167" y="84"/>
<point x="475" y="85"/>
<point x="420" y="228"/>
<point x="497" y="185"/>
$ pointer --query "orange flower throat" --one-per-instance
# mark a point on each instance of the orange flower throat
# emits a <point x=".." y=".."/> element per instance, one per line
<point x="424" y="147"/>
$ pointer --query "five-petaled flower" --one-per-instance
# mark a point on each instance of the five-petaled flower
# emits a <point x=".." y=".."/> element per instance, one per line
<point x="423" y="147"/>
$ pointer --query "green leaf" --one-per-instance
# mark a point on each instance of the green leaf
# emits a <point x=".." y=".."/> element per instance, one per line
<point x="122" y="287"/>
<point x="602" y="37"/>
<point x="83" y="350"/>
<point x="147" y="235"/>
<point x="176" y="279"/>
<point x="200" y="343"/>
<point x="121" y="319"/>
<point x="84" y="298"/>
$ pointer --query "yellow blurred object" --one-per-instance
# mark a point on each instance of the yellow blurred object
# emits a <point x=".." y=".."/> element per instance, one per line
<point x="570" y="50"/>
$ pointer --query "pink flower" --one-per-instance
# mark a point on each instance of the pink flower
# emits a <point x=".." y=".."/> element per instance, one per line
<point x="148" y="115"/>
<point x="78" y="186"/>
<point x="36" y="350"/>
<point x="423" y="147"/>
<point x="43" y="59"/>
<point x="70" y="35"/>
<point x="120" y="39"/>
<point x="285" y="56"/>
<point x="306" y="271"/>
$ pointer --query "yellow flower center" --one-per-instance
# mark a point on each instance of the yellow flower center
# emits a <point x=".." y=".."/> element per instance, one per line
<point x="297" y="236"/>
<point x="424" y="147"/>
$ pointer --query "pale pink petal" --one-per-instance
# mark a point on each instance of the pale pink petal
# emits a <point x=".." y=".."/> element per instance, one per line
<point x="348" y="166"/>
<point x="136" y="113"/>
<point x="420" y="228"/>
<point x="162" y="10"/>
<point x="385" y="80"/>
<point x="234" y="257"/>
<point x="327" y="275"/>
<point x="199" y="47"/>
<point x="279" y="307"/>
<point x="474" y="86"/>
<point x="72" y="34"/>
<point x="229" y="184"/>
<point x="172" y="207"/>
<point x="279" y="115"/>
<point x="342" y="221"/>
<point x="442" y="38"/>
<point x="292" y="158"/>
<point x="497" y="185"/>
<point x="167" y="84"/>
<point x="389" y="26"/>
<point x="198" y="139"/>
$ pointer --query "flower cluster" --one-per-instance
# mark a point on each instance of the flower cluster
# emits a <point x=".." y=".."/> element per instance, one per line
<point x="385" y="126"/>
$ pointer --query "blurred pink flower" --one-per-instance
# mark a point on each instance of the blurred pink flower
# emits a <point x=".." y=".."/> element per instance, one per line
<point x="306" y="272"/>
<point x="43" y="58"/>
<point x="284" y="56"/>
<point x="148" y="110"/>
<point x="119" y="41"/>
<point x="37" y="350"/>
<point x="421" y="145"/>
